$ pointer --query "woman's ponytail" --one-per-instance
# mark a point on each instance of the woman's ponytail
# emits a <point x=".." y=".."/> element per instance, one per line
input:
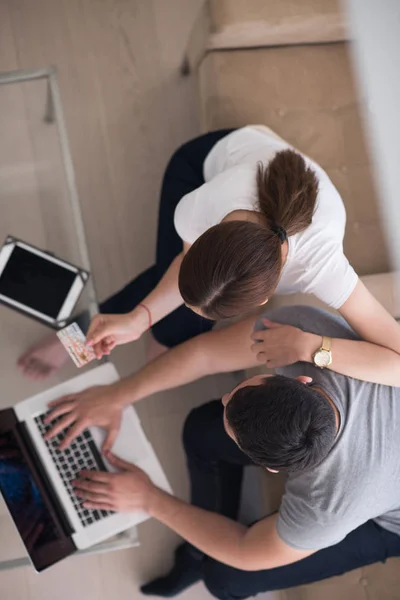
<point x="287" y="193"/>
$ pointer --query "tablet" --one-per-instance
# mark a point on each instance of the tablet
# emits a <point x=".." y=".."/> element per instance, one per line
<point x="38" y="284"/>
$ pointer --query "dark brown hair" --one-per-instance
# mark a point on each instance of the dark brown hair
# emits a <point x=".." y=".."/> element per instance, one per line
<point x="282" y="424"/>
<point x="235" y="266"/>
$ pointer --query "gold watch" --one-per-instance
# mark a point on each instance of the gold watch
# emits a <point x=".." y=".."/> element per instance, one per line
<point x="323" y="357"/>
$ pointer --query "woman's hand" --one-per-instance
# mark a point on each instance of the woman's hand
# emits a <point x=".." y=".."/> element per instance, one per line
<point x="107" y="331"/>
<point x="282" y="345"/>
<point x="128" y="491"/>
<point x="100" y="405"/>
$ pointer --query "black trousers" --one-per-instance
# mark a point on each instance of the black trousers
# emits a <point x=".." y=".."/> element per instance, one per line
<point x="183" y="174"/>
<point x="215" y="466"/>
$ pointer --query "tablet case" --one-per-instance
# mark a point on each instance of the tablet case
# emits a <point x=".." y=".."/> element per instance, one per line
<point x="81" y="272"/>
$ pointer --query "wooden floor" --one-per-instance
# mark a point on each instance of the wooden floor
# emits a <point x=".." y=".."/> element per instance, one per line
<point x="127" y="109"/>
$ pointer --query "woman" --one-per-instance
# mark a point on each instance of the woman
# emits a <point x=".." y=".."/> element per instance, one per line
<point x="242" y="216"/>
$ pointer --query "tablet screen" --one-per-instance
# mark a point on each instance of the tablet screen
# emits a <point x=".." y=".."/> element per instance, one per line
<point x="36" y="282"/>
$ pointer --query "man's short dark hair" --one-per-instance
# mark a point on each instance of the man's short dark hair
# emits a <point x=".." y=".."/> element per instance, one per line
<point x="282" y="424"/>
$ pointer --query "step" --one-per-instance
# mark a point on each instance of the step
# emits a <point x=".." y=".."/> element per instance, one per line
<point x="308" y="96"/>
<point x="253" y="23"/>
<point x="233" y="24"/>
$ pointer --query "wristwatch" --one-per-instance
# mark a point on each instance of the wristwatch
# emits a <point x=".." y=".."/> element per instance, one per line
<point x="323" y="357"/>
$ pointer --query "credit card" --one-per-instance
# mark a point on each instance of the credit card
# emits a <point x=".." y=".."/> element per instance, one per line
<point x="74" y="341"/>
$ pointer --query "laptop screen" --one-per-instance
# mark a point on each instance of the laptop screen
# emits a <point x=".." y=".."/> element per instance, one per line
<point x="26" y="503"/>
<point x="22" y="496"/>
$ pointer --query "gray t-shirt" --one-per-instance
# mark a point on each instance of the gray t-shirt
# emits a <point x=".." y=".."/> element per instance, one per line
<point x="360" y="478"/>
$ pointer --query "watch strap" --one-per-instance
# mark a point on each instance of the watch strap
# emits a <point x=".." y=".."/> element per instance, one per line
<point x="326" y="343"/>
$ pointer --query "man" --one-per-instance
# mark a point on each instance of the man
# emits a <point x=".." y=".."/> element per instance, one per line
<point x="335" y="437"/>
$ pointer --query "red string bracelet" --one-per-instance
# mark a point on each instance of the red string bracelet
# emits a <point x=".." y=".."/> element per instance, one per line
<point x="148" y="312"/>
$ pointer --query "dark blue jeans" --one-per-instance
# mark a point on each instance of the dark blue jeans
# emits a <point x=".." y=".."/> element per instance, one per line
<point x="183" y="174"/>
<point x="215" y="466"/>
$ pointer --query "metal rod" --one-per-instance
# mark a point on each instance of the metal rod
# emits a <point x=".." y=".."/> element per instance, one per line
<point x="25" y="75"/>
<point x="71" y="183"/>
<point x="49" y="109"/>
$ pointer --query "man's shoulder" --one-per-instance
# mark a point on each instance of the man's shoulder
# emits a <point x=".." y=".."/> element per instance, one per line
<point x="317" y="509"/>
<point x="310" y="318"/>
<point x="305" y="524"/>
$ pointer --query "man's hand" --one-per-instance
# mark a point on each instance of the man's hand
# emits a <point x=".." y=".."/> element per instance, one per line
<point x="99" y="405"/>
<point x="128" y="491"/>
<point x="282" y="345"/>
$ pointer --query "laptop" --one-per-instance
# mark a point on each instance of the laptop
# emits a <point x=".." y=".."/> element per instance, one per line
<point x="35" y="476"/>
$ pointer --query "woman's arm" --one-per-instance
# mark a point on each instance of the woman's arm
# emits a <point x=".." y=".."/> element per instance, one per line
<point x="377" y="359"/>
<point x="107" y="331"/>
<point x="166" y="297"/>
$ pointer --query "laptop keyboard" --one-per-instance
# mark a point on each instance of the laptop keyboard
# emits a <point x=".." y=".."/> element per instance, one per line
<point x="82" y="454"/>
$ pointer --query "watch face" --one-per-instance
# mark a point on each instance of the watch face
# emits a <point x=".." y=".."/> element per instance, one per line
<point x="322" y="358"/>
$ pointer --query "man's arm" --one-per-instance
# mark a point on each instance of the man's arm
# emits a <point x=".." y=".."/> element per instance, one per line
<point x="217" y="351"/>
<point x="246" y="548"/>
